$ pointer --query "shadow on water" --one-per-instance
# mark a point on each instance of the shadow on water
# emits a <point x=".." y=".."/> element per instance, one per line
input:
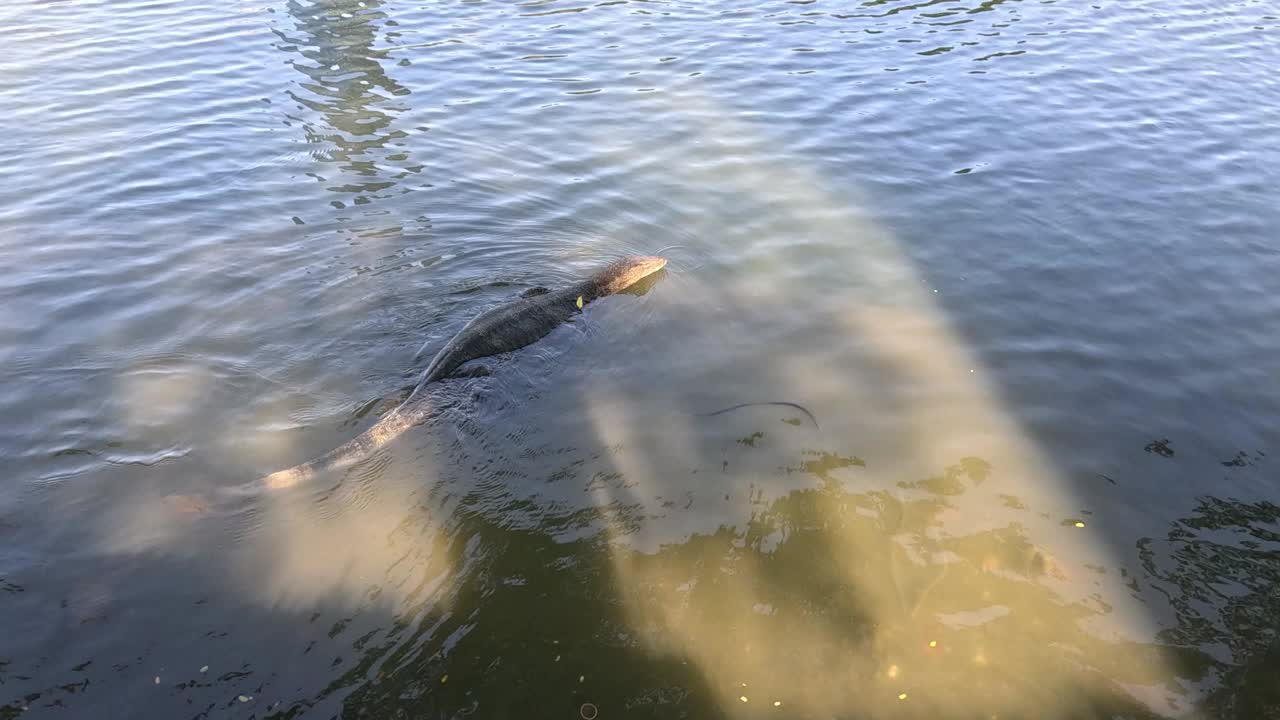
<point x="1219" y="569"/>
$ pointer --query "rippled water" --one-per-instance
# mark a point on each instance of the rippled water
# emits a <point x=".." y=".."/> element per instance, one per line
<point x="1017" y="258"/>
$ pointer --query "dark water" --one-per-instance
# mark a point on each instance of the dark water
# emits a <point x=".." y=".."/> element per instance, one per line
<point x="1018" y="258"/>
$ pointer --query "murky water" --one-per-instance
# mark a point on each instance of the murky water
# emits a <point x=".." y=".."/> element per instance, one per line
<point x="1017" y="258"/>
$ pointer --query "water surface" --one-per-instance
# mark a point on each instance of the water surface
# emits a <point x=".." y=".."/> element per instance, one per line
<point x="1017" y="258"/>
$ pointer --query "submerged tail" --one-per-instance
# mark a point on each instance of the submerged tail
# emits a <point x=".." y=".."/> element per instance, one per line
<point x="390" y="427"/>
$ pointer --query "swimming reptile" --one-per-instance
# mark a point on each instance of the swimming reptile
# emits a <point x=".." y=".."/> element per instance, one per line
<point x="502" y="329"/>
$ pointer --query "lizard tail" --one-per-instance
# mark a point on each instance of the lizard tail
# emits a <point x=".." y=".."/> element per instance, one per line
<point x="390" y="427"/>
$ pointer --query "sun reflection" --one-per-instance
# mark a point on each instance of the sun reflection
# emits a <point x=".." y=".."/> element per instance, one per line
<point x="353" y="101"/>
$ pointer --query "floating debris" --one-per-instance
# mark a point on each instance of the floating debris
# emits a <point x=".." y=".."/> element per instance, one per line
<point x="157" y="679"/>
<point x="743" y="698"/>
<point x="933" y="643"/>
<point x="777" y="703"/>
<point x="204" y="669"/>
<point x="579" y="302"/>
<point x="1080" y="523"/>
<point x="902" y="696"/>
<point x="444" y="679"/>
<point x="245" y="698"/>
<point x="588" y="711"/>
